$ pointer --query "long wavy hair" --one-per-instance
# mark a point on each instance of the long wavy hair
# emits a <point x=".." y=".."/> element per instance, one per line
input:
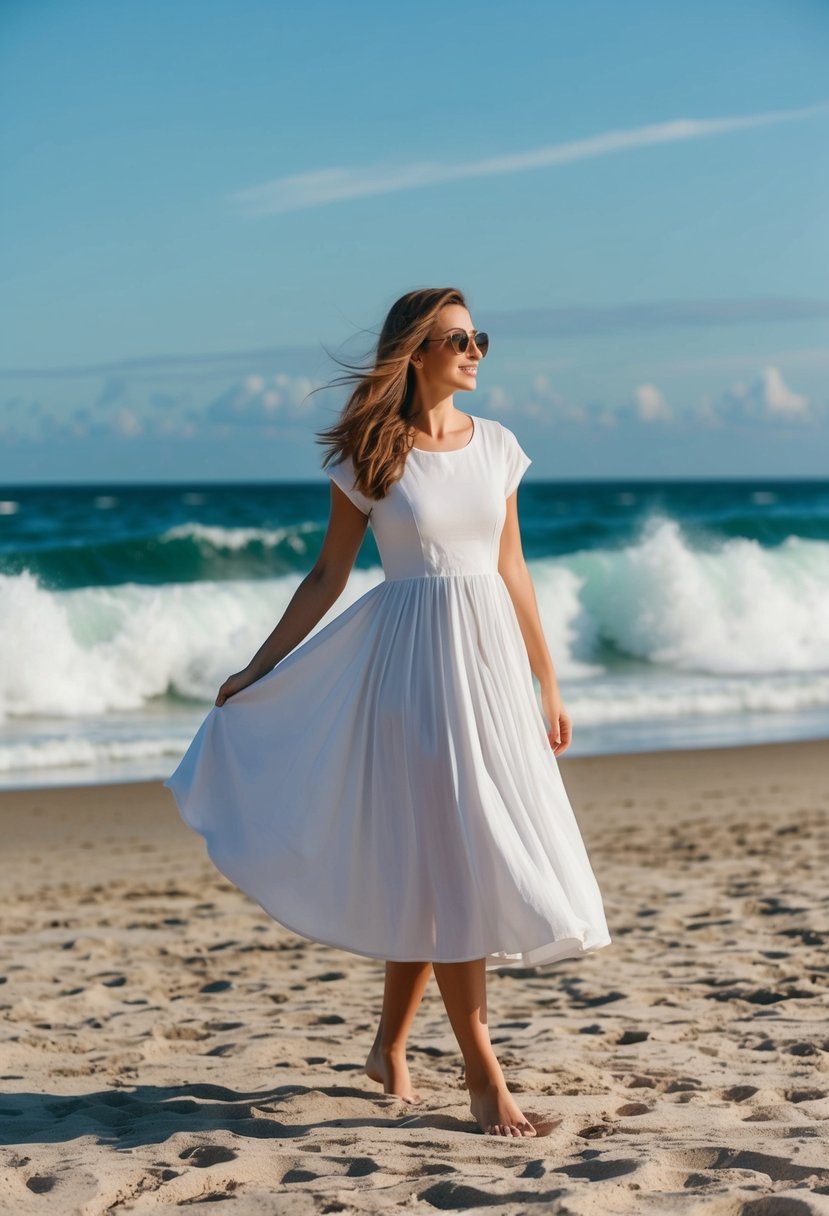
<point x="374" y="427"/>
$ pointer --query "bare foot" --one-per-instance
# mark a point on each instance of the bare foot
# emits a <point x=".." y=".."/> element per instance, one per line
<point x="392" y="1071"/>
<point x="497" y="1112"/>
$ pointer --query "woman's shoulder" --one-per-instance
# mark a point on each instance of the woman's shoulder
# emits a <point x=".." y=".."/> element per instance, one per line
<point x="490" y="427"/>
<point x="499" y="431"/>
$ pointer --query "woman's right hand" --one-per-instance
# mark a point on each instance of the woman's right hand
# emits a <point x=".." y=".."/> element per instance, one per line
<point x="234" y="684"/>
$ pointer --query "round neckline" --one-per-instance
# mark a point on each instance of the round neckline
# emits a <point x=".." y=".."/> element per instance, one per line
<point x="451" y="451"/>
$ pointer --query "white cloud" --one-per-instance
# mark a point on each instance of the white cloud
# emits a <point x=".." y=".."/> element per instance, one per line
<point x="650" y="404"/>
<point x="320" y="186"/>
<point x="768" y="398"/>
<point x="296" y="391"/>
<point x="128" y="424"/>
<point x="548" y="403"/>
<point x="780" y="399"/>
<point x="706" y="413"/>
<point x="498" y="401"/>
<point x="548" y="406"/>
<point x="256" y="401"/>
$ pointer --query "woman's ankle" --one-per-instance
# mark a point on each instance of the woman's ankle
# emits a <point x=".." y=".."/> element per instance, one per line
<point x="392" y="1050"/>
<point x="483" y="1074"/>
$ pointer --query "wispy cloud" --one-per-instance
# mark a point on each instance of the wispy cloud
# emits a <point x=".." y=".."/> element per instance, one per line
<point x="803" y="358"/>
<point x="565" y="321"/>
<point x="171" y="367"/>
<point x="596" y="319"/>
<point x="336" y="185"/>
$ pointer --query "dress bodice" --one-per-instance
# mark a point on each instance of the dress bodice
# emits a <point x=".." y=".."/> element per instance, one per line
<point x="445" y="515"/>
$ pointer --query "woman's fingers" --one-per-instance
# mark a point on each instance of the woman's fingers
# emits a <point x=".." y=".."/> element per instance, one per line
<point x="225" y="691"/>
<point x="561" y="738"/>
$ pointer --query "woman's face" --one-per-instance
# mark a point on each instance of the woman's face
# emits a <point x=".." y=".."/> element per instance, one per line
<point x="441" y="367"/>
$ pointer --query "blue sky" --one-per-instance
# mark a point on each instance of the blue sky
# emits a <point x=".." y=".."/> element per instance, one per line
<point x="201" y="199"/>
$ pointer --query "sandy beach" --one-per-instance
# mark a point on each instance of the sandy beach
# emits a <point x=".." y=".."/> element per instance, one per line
<point x="165" y="1043"/>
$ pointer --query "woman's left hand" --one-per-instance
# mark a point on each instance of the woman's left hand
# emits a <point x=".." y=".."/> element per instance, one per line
<point x="561" y="728"/>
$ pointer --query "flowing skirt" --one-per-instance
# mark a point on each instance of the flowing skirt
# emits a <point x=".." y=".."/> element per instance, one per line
<point x="389" y="787"/>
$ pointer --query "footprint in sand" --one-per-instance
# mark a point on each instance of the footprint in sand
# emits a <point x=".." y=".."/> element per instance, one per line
<point x="777" y="1169"/>
<point x="455" y="1196"/>
<point x="638" y="1081"/>
<point x="808" y="936"/>
<point x="361" y="1167"/>
<point x="683" y="1085"/>
<point x="739" y="1093"/>
<point x="112" y="981"/>
<point x="203" y="1155"/>
<point x="164" y="1172"/>
<point x="629" y="1037"/>
<point x="805" y="1095"/>
<point x="597" y="1131"/>
<point x="41" y="1184"/>
<point x="182" y="1033"/>
<point x="297" y="1175"/>
<point x="599" y="1169"/>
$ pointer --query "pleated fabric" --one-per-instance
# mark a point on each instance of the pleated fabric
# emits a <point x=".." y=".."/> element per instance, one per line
<point x="389" y="787"/>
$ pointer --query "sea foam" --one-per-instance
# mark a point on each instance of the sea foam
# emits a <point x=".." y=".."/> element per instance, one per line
<point x="663" y="603"/>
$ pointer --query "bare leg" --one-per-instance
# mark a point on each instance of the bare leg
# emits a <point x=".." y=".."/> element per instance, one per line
<point x="463" y="988"/>
<point x="403" y="992"/>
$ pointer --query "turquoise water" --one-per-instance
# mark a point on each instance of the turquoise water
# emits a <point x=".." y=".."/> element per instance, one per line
<point x="678" y="614"/>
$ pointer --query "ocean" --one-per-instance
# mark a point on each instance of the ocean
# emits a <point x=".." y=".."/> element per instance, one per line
<point x="678" y="614"/>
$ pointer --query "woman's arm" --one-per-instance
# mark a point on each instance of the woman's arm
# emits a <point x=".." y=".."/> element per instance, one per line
<point x="513" y="570"/>
<point x="320" y="588"/>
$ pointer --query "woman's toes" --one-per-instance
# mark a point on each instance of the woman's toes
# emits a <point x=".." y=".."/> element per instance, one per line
<point x="511" y="1129"/>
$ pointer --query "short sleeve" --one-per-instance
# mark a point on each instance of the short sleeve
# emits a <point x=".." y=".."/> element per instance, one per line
<point x="516" y="461"/>
<point x="342" y="474"/>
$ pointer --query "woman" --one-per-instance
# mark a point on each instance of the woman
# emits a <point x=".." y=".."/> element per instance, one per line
<point x="389" y="786"/>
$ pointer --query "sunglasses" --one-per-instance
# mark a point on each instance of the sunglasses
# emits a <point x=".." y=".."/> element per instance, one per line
<point x="459" y="341"/>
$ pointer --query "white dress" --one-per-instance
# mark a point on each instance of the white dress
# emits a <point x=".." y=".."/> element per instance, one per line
<point x="389" y="787"/>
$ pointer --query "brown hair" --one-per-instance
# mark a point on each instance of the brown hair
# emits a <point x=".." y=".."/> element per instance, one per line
<point x="374" y="425"/>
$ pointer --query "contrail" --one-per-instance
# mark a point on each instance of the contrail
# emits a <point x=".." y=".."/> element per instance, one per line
<point x="325" y="186"/>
